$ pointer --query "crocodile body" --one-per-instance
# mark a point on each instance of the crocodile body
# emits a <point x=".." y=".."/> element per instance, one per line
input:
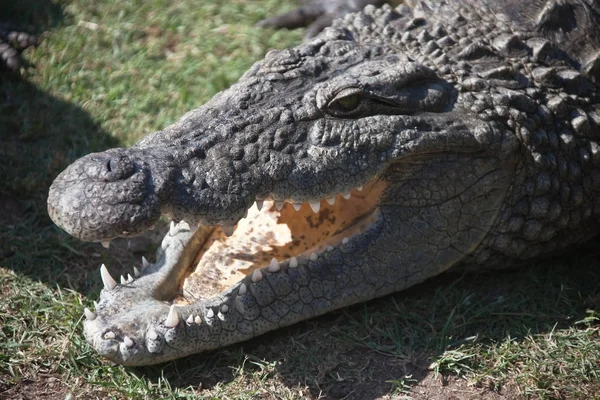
<point x="398" y="144"/>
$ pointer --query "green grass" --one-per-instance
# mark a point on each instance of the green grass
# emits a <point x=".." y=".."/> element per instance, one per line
<point x="109" y="72"/>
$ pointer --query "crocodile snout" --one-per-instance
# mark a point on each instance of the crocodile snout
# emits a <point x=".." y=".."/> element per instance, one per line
<point x="105" y="195"/>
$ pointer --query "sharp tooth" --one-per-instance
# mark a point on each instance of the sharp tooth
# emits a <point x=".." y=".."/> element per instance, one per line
<point x="297" y="206"/>
<point x="152" y="335"/>
<point x="129" y="278"/>
<point x="210" y="313"/>
<point x="128" y="342"/>
<point x="184" y="225"/>
<point x="345" y="240"/>
<point x="245" y="214"/>
<point x="256" y="276"/>
<point x="96" y="305"/>
<point x="173" y="318"/>
<point x="220" y="316"/>
<point x="315" y="205"/>
<point x="293" y="262"/>
<point x="279" y="205"/>
<point x="89" y="314"/>
<point x="172" y="230"/>
<point x="145" y="263"/>
<point x="224" y="308"/>
<point x="243" y="289"/>
<point x="329" y="249"/>
<point x="313" y="257"/>
<point x="190" y="319"/>
<point x="331" y="201"/>
<point x="197" y="320"/>
<point x="273" y="265"/>
<point x="228" y="230"/>
<point x="123" y="280"/>
<point x="359" y="188"/>
<point x="109" y="282"/>
<point x="136" y="272"/>
<point x="105" y="244"/>
<point x="259" y="204"/>
<point x="109" y="335"/>
<point x="346" y="196"/>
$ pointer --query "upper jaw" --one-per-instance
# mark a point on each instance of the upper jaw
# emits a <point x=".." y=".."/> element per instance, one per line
<point x="121" y="193"/>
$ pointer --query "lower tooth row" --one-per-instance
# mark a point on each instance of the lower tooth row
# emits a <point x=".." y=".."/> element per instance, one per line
<point x="110" y="283"/>
<point x="172" y="320"/>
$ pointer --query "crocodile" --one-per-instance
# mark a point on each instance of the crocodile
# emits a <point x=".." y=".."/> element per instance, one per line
<point x="398" y="144"/>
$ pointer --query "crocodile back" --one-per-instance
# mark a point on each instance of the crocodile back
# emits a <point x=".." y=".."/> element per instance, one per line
<point x="571" y="25"/>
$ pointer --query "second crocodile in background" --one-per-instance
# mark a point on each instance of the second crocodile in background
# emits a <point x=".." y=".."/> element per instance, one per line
<point x="396" y="145"/>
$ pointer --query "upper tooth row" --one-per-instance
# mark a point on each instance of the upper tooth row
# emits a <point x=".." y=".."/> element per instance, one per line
<point x="228" y="229"/>
<point x="314" y="205"/>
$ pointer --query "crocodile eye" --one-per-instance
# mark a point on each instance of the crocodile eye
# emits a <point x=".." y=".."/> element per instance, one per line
<point x="348" y="103"/>
<point x="345" y="103"/>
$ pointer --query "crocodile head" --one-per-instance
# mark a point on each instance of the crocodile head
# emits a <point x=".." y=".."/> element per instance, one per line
<point x="365" y="161"/>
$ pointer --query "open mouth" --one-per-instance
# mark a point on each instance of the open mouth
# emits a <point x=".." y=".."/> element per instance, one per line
<point x="216" y="286"/>
<point x="274" y="233"/>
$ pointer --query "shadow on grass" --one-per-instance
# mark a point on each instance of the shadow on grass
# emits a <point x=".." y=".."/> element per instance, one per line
<point x="40" y="135"/>
<point x="365" y="351"/>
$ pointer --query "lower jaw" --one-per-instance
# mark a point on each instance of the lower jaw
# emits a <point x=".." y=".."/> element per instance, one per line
<point x="205" y="283"/>
<point x="134" y="327"/>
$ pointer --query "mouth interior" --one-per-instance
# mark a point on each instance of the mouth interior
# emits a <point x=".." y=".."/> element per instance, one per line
<point x="281" y="234"/>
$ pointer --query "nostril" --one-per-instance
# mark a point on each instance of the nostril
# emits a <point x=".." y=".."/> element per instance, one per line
<point x="120" y="167"/>
<point x="116" y="164"/>
<point x="109" y="167"/>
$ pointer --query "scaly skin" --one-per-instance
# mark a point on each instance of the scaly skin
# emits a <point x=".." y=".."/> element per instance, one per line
<point x="480" y="133"/>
